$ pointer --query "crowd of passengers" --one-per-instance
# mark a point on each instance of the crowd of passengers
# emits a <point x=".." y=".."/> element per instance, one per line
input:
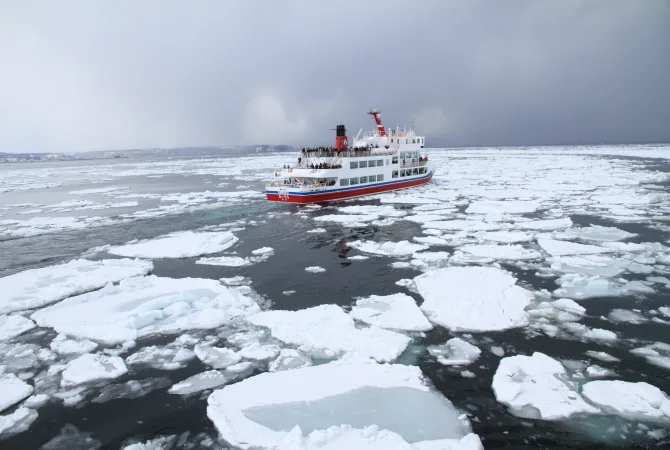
<point x="332" y="151"/>
<point x="317" y="166"/>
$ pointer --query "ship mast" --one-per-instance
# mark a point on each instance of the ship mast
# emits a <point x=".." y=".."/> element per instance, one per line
<point x="380" y="128"/>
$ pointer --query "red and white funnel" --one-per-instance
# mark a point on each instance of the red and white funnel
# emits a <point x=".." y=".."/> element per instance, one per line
<point x="341" y="141"/>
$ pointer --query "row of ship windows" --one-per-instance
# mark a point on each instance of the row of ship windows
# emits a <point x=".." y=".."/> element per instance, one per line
<point x="361" y="180"/>
<point x="375" y="178"/>
<point x="370" y="163"/>
<point x="409" y="172"/>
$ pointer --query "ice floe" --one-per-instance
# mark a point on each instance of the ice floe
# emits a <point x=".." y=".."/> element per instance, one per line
<point x="35" y="288"/>
<point x="92" y="367"/>
<point x="317" y="406"/>
<point x="509" y="207"/>
<point x="14" y="325"/>
<point x="637" y="401"/>
<point x="455" y="352"/>
<point x="473" y="298"/>
<point x="290" y="359"/>
<point x="326" y="331"/>
<point x="402" y="248"/>
<point x="536" y="387"/>
<point x="205" y="380"/>
<point x="12" y="390"/>
<point x="184" y="244"/>
<point x="393" y="312"/>
<point x="142" y="306"/>
<point x="216" y="357"/>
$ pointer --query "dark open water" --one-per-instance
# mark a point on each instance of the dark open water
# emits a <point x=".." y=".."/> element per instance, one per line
<point x="115" y="422"/>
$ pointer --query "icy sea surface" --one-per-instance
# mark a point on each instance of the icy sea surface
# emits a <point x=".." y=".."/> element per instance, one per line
<point x="519" y="300"/>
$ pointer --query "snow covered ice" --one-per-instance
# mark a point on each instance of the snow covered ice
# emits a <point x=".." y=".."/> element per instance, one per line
<point x="271" y="408"/>
<point x="393" y="312"/>
<point x="326" y="331"/>
<point x="35" y="288"/>
<point x="473" y="298"/>
<point x="142" y="306"/>
<point x="178" y="245"/>
<point x="536" y="387"/>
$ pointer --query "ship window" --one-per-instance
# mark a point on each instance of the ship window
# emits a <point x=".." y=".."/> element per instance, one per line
<point x="363" y="164"/>
<point x="395" y="174"/>
<point x="353" y="181"/>
<point x="395" y="160"/>
<point x="364" y="180"/>
<point x="372" y="163"/>
<point x="387" y="162"/>
<point x="415" y="171"/>
<point x="380" y="162"/>
<point x="353" y="165"/>
<point x="380" y="177"/>
<point x="344" y="182"/>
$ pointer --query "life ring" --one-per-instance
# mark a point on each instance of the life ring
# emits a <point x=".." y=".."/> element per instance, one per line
<point x="290" y="170"/>
<point x="313" y="171"/>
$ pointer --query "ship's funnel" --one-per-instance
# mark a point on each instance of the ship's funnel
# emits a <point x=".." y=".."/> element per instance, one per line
<point x="341" y="141"/>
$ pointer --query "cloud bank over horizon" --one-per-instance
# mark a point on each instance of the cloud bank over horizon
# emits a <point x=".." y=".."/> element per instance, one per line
<point x="80" y="75"/>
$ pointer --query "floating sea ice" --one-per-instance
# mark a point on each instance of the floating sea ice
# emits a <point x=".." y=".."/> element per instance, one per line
<point x="216" y="357"/>
<point x="455" y="352"/>
<point x="71" y="438"/>
<point x="348" y="220"/>
<point x="393" y="312"/>
<point x="14" y="325"/>
<point x="626" y="315"/>
<point x="92" y="367"/>
<point x="204" y="380"/>
<point x="61" y="344"/>
<point x="462" y="225"/>
<point x="563" y="248"/>
<point x="263" y="251"/>
<point x="143" y="306"/>
<point x="596" y="371"/>
<point x="402" y="248"/>
<point x="259" y="352"/>
<point x="595" y="233"/>
<point x="505" y="237"/>
<point x="408" y="199"/>
<point x="12" y="390"/>
<point x="503" y="252"/>
<point x="315" y="269"/>
<point x="184" y="244"/>
<point x="317" y="230"/>
<point x="385" y="211"/>
<point x="509" y="207"/>
<point x="536" y="387"/>
<point x="290" y="359"/>
<point x="473" y="298"/>
<point x="131" y="389"/>
<point x="228" y="261"/>
<point x="603" y="356"/>
<point x="326" y="331"/>
<point x="274" y="410"/>
<point x="635" y="401"/>
<point x="162" y="358"/>
<point x="545" y="225"/>
<point x="17" y="422"/>
<point x="35" y="288"/>
<point x="657" y="354"/>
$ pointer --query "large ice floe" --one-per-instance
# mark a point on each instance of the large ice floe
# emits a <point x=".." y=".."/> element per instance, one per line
<point x="473" y="298"/>
<point x="393" y="312"/>
<point x="537" y="387"/>
<point x="184" y="244"/>
<point x="35" y="288"/>
<point x="327" y="332"/>
<point x="339" y="406"/>
<point x="142" y="306"/>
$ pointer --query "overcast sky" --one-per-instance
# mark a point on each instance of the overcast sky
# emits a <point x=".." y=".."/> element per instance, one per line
<point x="91" y="75"/>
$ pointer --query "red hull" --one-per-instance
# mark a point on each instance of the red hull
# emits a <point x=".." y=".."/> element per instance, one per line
<point x="339" y="195"/>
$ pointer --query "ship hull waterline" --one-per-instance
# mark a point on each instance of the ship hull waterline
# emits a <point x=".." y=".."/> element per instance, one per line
<point x="334" y="195"/>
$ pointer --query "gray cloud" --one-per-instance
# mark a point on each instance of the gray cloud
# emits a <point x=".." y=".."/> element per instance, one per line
<point x="79" y="75"/>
